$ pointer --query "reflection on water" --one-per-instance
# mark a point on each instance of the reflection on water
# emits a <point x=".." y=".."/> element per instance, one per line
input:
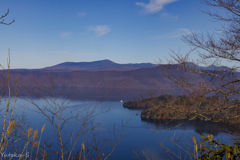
<point x="201" y="127"/>
<point x="144" y="135"/>
<point x="112" y="94"/>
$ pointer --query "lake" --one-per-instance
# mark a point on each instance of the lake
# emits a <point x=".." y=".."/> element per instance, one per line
<point x="140" y="135"/>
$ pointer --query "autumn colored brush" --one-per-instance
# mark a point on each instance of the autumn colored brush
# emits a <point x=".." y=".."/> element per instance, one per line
<point x="194" y="140"/>
<point x="10" y="127"/>
<point x="210" y="136"/>
<point x="83" y="146"/>
<point x="35" y="144"/>
<point x="29" y="132"/>
<point x="195" y="146"/>
<point x="35" y="134"/>
<point x="43" y="128"/>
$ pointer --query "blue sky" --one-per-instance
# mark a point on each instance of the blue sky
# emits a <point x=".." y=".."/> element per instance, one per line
<point x="48" y="32"/>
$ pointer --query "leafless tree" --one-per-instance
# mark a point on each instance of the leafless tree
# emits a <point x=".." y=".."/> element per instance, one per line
<point x="14" y="127"/>
<point x="213" y="79"/>
<point x="72" y="125"/>
<point x="212" y="91"/>
<point x="3" y="17"/>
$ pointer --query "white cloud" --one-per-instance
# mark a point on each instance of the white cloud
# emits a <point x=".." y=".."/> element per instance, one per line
<point x="181" y="32"/>
<point x="100" y="30"/>
<point x="154" y="6"/>
<point x="65" y="34"/>
<point x="222" y="31"/>
<point x="176" y="34"/>
<point x="81" y="14"/>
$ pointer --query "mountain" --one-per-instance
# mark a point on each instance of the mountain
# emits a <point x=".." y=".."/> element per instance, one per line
<point x="105" y="74"/>
<point x="210" y="68"/>
<point x="97" y="65"/>
<point x="143" y="78"/>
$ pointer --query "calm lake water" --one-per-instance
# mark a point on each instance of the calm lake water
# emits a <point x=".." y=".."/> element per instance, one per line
<point x="141" y="135"/>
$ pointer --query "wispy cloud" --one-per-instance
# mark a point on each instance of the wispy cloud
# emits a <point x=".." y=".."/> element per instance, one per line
<point x="65" y="34"/>
<point x="221" y="31"/>
<point x="100" y="30"/>
<point x="168" y="16"/>
<point x="154" y="6"/>
<point x="176" y="34"/>
<point x="81" y="14"/>
<point x="181" y="32"/>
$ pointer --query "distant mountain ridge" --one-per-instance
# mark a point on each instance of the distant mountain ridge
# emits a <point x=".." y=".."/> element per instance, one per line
<point x="98" y="65"/>
<point x="211" y="67"/>
<point x="110" y="65"/>
<point x="107" y="74"/>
